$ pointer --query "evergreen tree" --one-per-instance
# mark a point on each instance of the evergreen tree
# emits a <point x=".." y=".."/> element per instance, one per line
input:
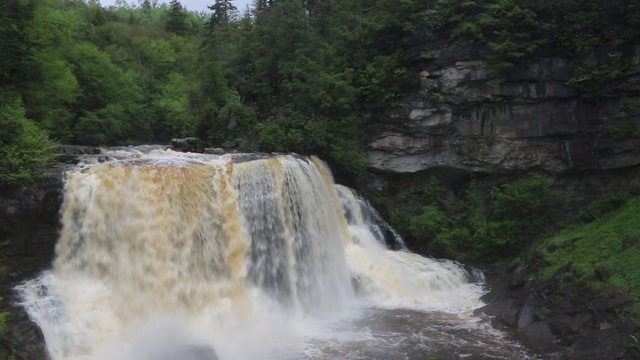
<point x="223" y="13"/>
<point x="16" y="52"/>
<point x="262" y="5"/>
<point x="176" y="19"/>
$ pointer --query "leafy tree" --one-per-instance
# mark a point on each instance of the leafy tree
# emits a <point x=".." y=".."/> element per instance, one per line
<point x="514" y="34"/>
<point x="35" y="35"/>
<point x="171" y="112"/>
<point x="108" y="109"/>
<point x="522" y="208"/>
<point x="466" y="18"/>
<point x="472" y="227"/>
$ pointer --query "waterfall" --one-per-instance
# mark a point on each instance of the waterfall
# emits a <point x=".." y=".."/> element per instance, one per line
<point x="247" y="255"/>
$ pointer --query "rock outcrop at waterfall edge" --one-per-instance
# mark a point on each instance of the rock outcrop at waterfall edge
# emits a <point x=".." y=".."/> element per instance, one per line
<point x="558" y="318"/>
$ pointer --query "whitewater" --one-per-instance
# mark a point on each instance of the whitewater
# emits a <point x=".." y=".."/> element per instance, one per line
<point x="165" y="255"/>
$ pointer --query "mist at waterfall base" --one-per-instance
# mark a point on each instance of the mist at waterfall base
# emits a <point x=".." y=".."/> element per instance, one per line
<point x="166" y="256"/>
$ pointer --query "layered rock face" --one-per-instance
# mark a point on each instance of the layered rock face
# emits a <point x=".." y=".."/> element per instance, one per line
<point x="533" y="121"/>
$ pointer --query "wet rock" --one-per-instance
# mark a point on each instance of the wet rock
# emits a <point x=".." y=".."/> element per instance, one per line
<point x="23" y="339"/>
<point x="603" y="344"/>
<point x="602" y="274"/>
<point x="563" y="270"/>
<point x="190" y="144"/>
<point x="517" y="283"/>
<point x="494" y="308"/>
<point x="214" y="151"/>
<point x="76" y="150"/>
<point x="570" y="324"/>
<point x="51" y="203"/>
<point x="577" y="322"/>
<point x="508" y="315"/>
<point x="603" y="305"/>
<point x="27" y="244"/>
<point x="525" y="318"/>
<point x="539" y="331"/>
<point x="557" y="317"/>
<point x="512" y="266"/>
<point x="232" y="144"/>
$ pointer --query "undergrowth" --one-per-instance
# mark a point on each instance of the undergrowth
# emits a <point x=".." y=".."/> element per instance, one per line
<point x="604" y="254"/>
<point x="473" y="224"/>
<point x="3" y="323"/>
<point x="599" y="239"/>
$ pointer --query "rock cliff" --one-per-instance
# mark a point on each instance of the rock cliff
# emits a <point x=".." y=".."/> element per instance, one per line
<point x="461" y="122"/>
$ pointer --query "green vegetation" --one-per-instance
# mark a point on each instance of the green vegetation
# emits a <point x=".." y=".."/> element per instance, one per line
<point x="288" y="75"/>
<point x="468" y="227"/>
<point x="598" y="36"/>
<point x="609" y="245"/>
<point x="24" y="148"/>
<point x="599" y="240"/>
<point x="3" y="323"/>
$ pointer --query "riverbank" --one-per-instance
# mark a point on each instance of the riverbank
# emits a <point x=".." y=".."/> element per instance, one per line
<point x="575" y="294"/>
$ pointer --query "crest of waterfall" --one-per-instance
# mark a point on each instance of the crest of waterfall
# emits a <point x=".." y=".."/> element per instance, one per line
<point x="237" y="252"/>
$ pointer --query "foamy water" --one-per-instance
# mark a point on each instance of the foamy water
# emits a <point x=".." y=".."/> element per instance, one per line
<point x="176" y="256"/>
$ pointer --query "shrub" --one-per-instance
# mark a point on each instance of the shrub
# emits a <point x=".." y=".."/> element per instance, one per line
<point x="469" y="226"/>
<point x="24" y="148"/>
<point x="603" y="205"/>
<point x="522" y="209"/>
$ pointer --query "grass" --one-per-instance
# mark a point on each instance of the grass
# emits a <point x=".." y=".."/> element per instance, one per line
<point x="609" y="245"/>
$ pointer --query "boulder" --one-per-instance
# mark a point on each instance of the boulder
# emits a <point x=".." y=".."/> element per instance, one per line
<point x="557" y="318"/>
<point x="189" y="144"/>
<point x="214" y="151"/>
<point x="539" y="331"/>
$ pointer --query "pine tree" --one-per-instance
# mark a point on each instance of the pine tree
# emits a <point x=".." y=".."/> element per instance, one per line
<point x="223" y="13"/>
<point x="176" y="21"/>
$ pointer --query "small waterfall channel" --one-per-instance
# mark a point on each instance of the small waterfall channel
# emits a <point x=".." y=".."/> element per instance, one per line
<point x="167" y="256"/>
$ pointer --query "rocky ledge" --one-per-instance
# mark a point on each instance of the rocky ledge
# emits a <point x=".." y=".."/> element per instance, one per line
<point x="558" y="319"/>
<point x="533" y="121"/>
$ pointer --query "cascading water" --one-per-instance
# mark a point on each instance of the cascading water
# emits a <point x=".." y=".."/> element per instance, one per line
<point x="168" y="256"/>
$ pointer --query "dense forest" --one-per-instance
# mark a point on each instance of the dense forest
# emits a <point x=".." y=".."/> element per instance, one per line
<point x="286" y="75"/>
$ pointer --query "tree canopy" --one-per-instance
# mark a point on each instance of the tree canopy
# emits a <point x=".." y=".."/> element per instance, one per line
<point x="307" y="76"/>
